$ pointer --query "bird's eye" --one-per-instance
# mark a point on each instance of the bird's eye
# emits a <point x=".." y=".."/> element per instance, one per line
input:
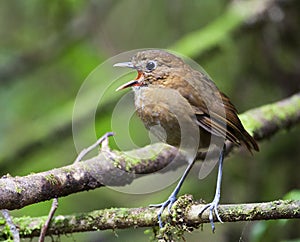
<point x="151" y="65"/>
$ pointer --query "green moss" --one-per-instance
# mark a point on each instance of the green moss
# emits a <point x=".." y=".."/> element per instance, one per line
<point x="249" y="122"/>
<point x="274" y="113"/>
<point x="61" y="221"/>
<point x="27" y="226"/>
<point x="18" y="189"/>
<point x="125" y="159"/>
<point x="175" y="228"/>
<point x="52" y="179"/>
<point x="123" y="212"/>
<point x="66" y="170"/>
<point x="278" y="113"/>
<point x="2" y="221"/>
<point x="6" y="234"/>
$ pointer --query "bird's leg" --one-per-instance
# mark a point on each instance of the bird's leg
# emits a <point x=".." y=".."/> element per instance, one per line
<point x="173" y="197"/>
<point x="214" y="204"/>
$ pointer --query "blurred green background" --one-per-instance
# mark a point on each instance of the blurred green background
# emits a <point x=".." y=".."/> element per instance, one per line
<point x="48" y="48"/>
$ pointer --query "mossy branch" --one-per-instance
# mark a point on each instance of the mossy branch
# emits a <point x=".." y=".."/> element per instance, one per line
<point x="184" y="216"/>
<point x="121" y="168"/>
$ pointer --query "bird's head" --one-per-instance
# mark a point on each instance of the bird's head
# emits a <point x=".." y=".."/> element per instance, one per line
<point x="152" y="66"/>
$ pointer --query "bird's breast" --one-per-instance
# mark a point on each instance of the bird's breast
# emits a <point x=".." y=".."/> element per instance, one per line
<point x="167" y="109"/>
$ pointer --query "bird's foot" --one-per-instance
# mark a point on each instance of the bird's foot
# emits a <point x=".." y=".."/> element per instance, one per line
<point x="213" y="208"/>
<point x="168" y="203"/>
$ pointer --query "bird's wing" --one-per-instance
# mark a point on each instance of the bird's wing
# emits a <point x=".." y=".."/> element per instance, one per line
<point x="214" y="111"/>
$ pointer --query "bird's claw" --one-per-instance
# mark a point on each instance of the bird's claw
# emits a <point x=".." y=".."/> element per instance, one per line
<point x="168" y="203"/>
<point x="213" y="208"/>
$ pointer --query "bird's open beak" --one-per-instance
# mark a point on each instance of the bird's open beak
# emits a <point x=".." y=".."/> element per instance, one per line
<point x="124" y="64"/>
<point x="128" y="84"/>
<point x="136" y="82"/>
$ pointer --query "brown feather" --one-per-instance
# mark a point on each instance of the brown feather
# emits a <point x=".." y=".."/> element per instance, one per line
<point x="214" y="111"/>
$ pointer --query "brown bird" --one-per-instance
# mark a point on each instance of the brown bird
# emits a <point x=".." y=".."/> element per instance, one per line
<point x="173" y="95"/>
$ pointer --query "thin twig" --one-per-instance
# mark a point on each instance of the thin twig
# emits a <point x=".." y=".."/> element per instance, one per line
<point x="13" y="229"/>
<point x="85" y="151"/>
<point x="47" y="223"/>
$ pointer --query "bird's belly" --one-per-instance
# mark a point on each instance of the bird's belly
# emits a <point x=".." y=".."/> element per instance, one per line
<point x="164" y="124"/>
<point x="169" y="115"/>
